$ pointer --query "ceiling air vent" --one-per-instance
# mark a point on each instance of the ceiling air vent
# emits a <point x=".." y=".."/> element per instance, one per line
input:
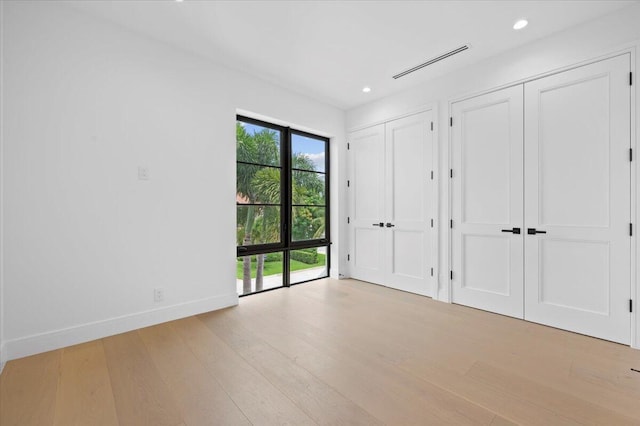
<point x="432" y="61"/>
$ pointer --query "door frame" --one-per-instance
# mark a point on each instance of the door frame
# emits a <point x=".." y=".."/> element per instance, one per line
<point x="435" y="163"/>
<point x="446" y="293"/>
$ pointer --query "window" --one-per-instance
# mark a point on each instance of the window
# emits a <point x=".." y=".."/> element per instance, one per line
<point x="282" y="203"/>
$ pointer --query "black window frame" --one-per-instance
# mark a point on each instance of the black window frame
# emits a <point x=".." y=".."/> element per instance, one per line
<point x="286" y="244"/>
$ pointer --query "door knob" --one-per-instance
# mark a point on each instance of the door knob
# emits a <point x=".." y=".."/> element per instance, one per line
<point x="513" y="230"/>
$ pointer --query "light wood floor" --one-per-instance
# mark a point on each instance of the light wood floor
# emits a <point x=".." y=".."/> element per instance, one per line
<point x="330" y="352"/>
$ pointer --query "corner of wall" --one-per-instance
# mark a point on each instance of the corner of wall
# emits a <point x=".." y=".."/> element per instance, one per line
<point x="2" y="26"/>
<point x="340" y="207"/>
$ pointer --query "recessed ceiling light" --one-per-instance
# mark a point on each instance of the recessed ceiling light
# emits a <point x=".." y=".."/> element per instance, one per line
<point x="366" y="89"/>
<point x="520" y="24"/>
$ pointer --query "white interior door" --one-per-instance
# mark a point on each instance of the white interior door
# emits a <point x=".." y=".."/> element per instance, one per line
<point x="487" y="202"/>
<point x="577" y="175"/>
<point x="366" y="196"/>
<point x="409" y="199"/>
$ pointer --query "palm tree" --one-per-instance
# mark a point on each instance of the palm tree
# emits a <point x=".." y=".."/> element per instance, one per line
<point x="256" y="184"/>
<point x="259" y="148"/>
<point x="309" y="189"/>
<point x="266" y="183"/>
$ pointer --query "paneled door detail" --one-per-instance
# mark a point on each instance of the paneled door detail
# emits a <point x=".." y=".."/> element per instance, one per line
<point x="367" y="211"/>
<point x="409" y="198"/>
<point x="487" y="202"/>
<point x="391" y="204"/>
<point x="577" y="205"/>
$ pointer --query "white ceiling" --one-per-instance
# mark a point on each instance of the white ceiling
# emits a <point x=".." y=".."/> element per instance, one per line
<point x="329" y="50"/>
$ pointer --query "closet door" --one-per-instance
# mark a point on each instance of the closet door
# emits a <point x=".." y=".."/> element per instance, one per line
<point x="487" y="202"/>
<point x="409" y="197"/>
<point x="578" y="193"/>
<point x="392" y="201"/>
<point x="367" y="212"/>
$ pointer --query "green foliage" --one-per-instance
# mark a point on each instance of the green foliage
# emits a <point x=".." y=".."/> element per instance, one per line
<point x="269" y="257"/>
<point x="255" y="184"/>
<point x="305" y="256"/>
<point x="273" y="257"/>
<point x="308" y="223"/>
<point x="260" y="148"/>
<point x="266" y="228"/>
<point x="302" y="161"/>
<point x="275" y="267"/>
<point x="239" y="235"/>
<point x="266" y="184"/>
<point x="308" y="188"/>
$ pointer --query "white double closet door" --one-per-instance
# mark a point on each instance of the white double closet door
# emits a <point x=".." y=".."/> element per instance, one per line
<point x="550" y="159"/>
<point x="391" y="204"/>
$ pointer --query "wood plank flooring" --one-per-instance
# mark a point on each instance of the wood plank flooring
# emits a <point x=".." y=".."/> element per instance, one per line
<point x="330" y="352"/>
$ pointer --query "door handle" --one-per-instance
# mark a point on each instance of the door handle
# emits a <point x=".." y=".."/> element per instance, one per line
<point x="533" y="231"/>
<point x="513" y="230"/>
<point x="381" y="224"/>
<point x="390" y="225"/>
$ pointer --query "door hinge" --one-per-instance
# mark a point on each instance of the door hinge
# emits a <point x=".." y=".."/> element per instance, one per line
<point x="432" y="126"/>
<point x="630" y="305"/>
<point x="432" y="223"/>
<point x="631" y="229"/>
<point x="348" y="257"/>
<point x="348" y="219"/>
<point x="630" y="78"/>
<point x="451" y="275"/>
<point x="431" y="271"/>
<point x="348" y="183"/>
<point x="451" y="121"/>
<point x="451" y="173"/>
<point x="431" y="174"/>
<point x="630" y="154"/>
<point x="451" y="223"/>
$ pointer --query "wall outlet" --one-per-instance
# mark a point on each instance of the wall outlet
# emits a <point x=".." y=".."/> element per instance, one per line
<point x="158" y="295"/>
<point x="143" y="173"/>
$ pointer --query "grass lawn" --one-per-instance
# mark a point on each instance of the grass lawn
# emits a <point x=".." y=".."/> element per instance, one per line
<point x="271" y="268"/>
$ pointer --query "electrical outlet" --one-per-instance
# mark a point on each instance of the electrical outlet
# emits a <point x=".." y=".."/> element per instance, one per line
<point x="143" y="173"/>
<point x="158" y="295"/>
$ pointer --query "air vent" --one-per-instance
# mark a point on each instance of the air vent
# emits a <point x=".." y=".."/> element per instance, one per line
<point x="432" y="61"/>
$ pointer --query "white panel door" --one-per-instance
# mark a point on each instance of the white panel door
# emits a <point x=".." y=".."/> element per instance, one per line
<point x="487" y="202"/>
<point x="366" y="196"/>
<point x="577" y="177"/>
<point x="409" y="198"/>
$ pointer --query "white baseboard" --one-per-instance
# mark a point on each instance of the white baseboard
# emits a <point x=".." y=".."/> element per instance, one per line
<point x="56" y="339"/>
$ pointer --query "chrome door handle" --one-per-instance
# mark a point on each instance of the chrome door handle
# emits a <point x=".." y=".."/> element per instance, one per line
<point x="381" y="224"/>
<point x="390" y="225"/>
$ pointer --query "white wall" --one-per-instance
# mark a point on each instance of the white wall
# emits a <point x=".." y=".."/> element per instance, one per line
<point x="2" y="356"/>
<point x="585" y="42"/>
<point x="85" y="103"/>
